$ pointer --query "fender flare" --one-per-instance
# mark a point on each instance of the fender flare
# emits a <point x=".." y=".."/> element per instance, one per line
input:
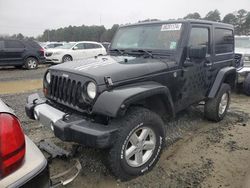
<point x="110" y="103"/>
<point x="220" y="78"/>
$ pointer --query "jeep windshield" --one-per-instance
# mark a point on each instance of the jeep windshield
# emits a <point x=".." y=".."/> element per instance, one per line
<point x="242" y="42"/>
<point x="148" y="37"/>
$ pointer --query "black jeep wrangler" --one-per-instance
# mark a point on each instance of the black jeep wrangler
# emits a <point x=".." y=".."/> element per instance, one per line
<point x="153" y="70"/>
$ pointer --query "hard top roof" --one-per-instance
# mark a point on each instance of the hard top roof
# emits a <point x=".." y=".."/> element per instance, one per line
<point x="188" y="21"/>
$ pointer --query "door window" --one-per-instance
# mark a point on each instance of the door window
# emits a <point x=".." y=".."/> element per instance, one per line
<point x="13" y="44"/>
<point x="224" y="41"/>
<point x="91" y="46"/>
<point x="80" y="46"/>
<point x="200" y="36"/>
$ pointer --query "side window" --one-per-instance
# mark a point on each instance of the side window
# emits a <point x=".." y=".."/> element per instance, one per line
<point x="56" y="45"/>
<point x="89" y="46"/>
<point x="13" y="44"/>
<point x="224" y="41"/>
<point x="80" y="46"/>
<point x="200" y="36"/>
<point x="96" y="46"/>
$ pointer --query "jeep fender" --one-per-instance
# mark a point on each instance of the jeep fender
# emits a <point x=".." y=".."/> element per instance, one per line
<point x="227" y="73"/>
<point x="110" y="103"/>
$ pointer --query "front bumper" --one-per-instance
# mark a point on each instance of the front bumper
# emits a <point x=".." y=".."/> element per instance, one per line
<point x="33" y="172"/>
<point x="242" y="74"/>
<point x="54" y="59"/>
<point x="70" y="127"/>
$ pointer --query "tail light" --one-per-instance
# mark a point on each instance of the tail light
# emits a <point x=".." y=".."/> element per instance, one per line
<point x="12" y="144"/>
<point x="42" y="51"/>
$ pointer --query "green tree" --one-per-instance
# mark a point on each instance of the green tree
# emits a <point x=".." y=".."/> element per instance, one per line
<point x="230" y="19"/>
<point x="241" y="18"/>
<point x="247" y="24"/>
<point x="213" y="16"/>
<point x="194" y="15"/>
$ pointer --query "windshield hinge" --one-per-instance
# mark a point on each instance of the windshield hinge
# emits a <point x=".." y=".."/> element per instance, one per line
<point x="108" y="81"/>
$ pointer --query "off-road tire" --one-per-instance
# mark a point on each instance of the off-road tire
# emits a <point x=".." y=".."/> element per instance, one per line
<point x="66" y="58"/>
<point x="246" y="85"/>
<point x="31" y="63"/>
<point x="211" y="110"/>
<point x="135" y="119"/>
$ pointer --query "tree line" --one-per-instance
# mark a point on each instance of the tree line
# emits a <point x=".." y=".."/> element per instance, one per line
<point x="240" y="19"/>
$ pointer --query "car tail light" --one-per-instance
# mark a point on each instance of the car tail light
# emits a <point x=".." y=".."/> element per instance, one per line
<point x="42" y="51"/>
<point x="12" y="144"/>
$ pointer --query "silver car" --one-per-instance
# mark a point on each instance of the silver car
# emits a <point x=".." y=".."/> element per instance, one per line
<point x="21" y="162"/>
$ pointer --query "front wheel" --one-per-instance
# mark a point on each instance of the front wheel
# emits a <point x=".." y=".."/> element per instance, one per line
<point x="66" y="58"/>
<point x="138" y="145"/>
<point x="31" y="63"/>
<point x="216" y="108"/>
<point x="246" y="85"/>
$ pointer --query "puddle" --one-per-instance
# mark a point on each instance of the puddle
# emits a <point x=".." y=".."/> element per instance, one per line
<point x="20" y="86"/>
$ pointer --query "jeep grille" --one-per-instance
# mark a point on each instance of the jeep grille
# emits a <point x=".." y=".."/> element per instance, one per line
<point x="67" y="91"/>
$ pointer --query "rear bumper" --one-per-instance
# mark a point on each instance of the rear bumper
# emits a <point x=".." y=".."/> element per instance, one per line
<point x="73" y="128"/>
<point x="42" y="60"/>
<point x="33" y="172"/>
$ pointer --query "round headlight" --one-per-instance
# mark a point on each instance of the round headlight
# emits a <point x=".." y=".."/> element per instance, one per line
<point x="91" y="90"/>
<point x="48" y="77"/>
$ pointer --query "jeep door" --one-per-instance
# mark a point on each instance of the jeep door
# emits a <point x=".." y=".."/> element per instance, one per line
<point x="196" y="70"/>
<point x="13" y="52"/>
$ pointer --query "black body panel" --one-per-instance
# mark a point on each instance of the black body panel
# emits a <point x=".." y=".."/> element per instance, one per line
<point x="15" y="52"/>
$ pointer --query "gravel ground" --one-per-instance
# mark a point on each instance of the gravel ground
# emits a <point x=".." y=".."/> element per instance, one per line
<point x="199" y="153"/>
<point x="12" y="73"/>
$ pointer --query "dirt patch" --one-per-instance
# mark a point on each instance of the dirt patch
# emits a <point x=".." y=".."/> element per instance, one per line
<point x="20" y="86"/>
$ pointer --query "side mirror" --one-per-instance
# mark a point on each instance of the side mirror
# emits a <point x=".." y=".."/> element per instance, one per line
<point x="75" y="48"/>
<point x="198" y="52"/>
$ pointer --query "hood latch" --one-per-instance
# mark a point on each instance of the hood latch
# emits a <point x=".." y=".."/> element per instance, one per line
<point x="108" y="81"/>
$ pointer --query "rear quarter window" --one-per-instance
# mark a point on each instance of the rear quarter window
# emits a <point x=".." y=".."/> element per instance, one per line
<point x="33" y="44"/>
<point x="224" y="41"/>
<point x="13" y="44"/>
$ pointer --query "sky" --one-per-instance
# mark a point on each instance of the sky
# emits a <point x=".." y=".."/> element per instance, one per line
<point x="32" y="17"/>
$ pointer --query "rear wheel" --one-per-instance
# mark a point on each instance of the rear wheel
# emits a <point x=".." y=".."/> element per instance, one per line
<point x="66" y="58"/>
<point x="138" y="144"/>
<point x="216" y="108"/>
<point x="31" y="63"/>
<point x="246" y="85"/>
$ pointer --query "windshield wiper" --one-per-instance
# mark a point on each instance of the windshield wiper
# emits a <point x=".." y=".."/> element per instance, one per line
<point x="145" y="52"/>
<point x="117" y="50"/>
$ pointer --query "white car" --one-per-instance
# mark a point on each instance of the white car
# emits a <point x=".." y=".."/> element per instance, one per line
<point x="242" y="60"/>
<point x="22" y="164"/>
<point x="74" y="51"/>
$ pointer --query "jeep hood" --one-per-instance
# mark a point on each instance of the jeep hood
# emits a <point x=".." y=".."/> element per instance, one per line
<point x="118" y="68"/>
